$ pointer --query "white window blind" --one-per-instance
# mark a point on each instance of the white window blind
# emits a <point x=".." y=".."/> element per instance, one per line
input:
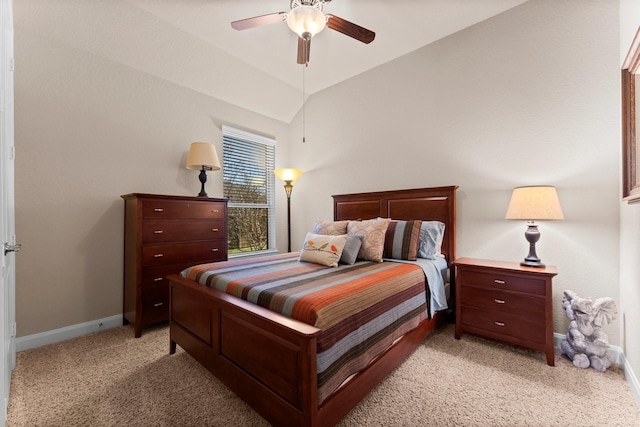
<point x="248" y="161"/>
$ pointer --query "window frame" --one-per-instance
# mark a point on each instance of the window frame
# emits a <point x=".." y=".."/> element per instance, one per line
<point x="239" y="136"/>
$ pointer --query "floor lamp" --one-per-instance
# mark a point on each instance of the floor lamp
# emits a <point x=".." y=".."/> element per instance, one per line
<point x="289" y="176"/>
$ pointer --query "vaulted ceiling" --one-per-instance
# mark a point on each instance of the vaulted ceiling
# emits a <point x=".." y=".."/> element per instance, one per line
<point x="191" y="42"/>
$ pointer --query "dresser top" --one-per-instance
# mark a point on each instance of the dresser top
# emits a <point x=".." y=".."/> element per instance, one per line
<point x="170" y="197"/>
<point x="505" y="265"/>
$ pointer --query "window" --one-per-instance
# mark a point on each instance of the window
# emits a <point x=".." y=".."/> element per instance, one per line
<point x="248" y="181"/>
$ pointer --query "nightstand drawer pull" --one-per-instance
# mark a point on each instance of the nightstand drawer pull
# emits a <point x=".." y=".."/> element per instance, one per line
<point x="499" y="323"/>
<point x="158" y="255"/>
<point x="158" y="210"/>
<point x="214" y="250"/>
<point x="158" y="279"/>
<point x="158" y="232"/>
<point x="216" y="210"/>
<point x="500" y="301"/>
<point x="214" y="229"/>
<point x="158" y="304"/>
<point x="499" y="282"/>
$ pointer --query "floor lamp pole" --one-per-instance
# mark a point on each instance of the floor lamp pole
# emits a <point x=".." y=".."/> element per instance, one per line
<point x="288" y="186"/>
<point x="289" y="221"/>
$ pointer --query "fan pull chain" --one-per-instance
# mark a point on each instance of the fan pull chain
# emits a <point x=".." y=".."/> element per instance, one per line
<point x="303" y="106"/>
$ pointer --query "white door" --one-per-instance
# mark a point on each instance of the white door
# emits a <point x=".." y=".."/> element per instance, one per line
<point x="7" y="211"/>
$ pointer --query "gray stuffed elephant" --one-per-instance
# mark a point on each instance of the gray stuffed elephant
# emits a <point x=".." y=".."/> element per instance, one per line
<point x="587" y="343"/>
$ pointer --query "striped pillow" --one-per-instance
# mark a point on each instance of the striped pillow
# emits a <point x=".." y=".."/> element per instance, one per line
<point x="401" y="240"/>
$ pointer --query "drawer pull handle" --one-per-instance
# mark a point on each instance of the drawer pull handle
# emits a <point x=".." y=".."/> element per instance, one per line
<point x="158" y="255"/>
<point x="158" y="279"/>
<point x="214" y="230"/>
<point x="158" y="232"/>
<point x="214" y="250"/>
<point x="216" y="210"/>
<point x="499" y="301"/>
<point x="499" y="323"/>
<point x="158" y="210"/>
<point x="158" y="304"/>
<point x="499" y="282"/>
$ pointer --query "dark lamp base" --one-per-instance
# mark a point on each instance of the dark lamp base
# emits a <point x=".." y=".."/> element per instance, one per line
<point x="532" y="235"/>
<point x="535" y="264"/>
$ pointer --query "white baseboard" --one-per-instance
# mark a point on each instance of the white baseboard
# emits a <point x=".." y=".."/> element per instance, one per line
<point x="619" y="359"/>
<point x="56" y="335"/>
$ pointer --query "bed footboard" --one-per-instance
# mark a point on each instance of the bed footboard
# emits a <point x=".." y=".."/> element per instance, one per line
<point x="268" y="360"/>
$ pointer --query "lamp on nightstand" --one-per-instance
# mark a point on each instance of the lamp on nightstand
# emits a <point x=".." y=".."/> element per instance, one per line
<point x="531" y="204"/>
<point x="289" y="176"/>
<point x="202" y="156"/>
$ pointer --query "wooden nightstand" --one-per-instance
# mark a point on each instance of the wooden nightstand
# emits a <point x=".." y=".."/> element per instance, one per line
<point x="507" y="302"/>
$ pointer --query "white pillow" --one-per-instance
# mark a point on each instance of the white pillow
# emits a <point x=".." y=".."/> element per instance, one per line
<point x="322" y="249"/>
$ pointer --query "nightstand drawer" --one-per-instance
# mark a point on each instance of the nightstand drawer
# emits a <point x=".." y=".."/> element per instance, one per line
<point x="182" y="231"/>
<point x="503" y="301"/>
<point x="498" y="280"/>
<point x="503" y="323"/>
<point x="169" y="209"/>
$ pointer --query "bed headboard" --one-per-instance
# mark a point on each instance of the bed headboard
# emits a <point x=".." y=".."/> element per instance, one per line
<point x="427" y="204"/>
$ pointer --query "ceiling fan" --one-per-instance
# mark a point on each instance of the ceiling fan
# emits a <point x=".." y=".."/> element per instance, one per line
<point x="307" y="19"/>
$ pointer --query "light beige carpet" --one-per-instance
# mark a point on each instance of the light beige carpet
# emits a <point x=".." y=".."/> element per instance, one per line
<point x="112" y="379"/>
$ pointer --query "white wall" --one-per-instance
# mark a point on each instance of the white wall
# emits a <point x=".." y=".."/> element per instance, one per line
<point x="87" y="131"/>
<point x="528" y="97"/>
<point x="629" y="225"/>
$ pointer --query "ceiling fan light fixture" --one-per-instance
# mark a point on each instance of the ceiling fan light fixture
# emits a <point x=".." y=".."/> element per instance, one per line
<point x="306" y="21"/>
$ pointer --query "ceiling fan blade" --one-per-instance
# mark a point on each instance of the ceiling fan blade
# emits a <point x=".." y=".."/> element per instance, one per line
<point x="350" y="29"/>
<point x="258" y="21"/>
<point x="304" y="46"/>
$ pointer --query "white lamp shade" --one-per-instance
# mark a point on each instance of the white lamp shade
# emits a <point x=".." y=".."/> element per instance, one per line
<point x="534" y="203"/>
<point x="288" y="174"/>
<point x="202" y="154"/>
<point x="306" y="21"/>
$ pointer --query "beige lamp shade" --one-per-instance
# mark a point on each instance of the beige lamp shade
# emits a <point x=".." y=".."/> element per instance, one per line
<point x="202" y="154"/>
<point x="288" y="174"/>
<point x="534" y="203"/>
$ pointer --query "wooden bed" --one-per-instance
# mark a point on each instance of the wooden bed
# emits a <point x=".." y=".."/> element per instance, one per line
<point x="228" y="336"/>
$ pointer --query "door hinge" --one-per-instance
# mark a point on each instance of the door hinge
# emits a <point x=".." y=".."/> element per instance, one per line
<point x="14" y="329"/>
<point x="12" y="152"/>
<point x="12" y="64"/>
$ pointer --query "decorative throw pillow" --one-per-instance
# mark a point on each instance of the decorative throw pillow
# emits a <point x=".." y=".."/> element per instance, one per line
<point x="401" y="240"/>
<point x="333" y="228"/>
<point x="351" y="249"/>
<point x="431" y="235"/>
<point x="322" y="249"/>
<point x="372" y="232"/>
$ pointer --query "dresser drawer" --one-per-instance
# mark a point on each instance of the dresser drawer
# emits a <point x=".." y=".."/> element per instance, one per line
<point x="504" y="323"/>
<point x="155" y="306"/>
<point x="180" y="253"/>
<point x="182" y="231"/>
<point x="530" y="306"/>
<point x="170" y="209"/>
<point x="498" y="280"/>
<point x="156" y="277"/>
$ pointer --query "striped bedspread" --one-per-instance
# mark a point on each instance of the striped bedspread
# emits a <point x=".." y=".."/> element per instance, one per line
<point x="361" y="309"/>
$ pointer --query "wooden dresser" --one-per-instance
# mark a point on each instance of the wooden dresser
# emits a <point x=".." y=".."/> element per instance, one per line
<point x="164" y="235"/>
<point x="505" y="301"/>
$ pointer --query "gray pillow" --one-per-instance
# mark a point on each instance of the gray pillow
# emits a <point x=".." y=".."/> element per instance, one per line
<point x="351" y="249"/>
<point x="431" y="234"/>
